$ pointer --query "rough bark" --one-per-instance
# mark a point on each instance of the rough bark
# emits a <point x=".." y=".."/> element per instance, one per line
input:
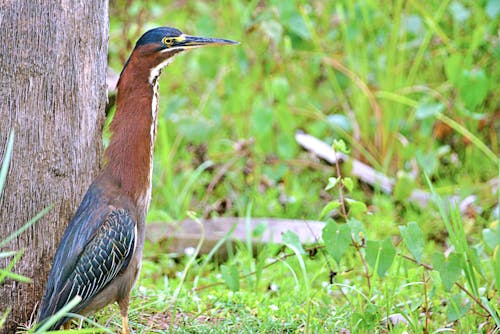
<point x="52" y="94"/>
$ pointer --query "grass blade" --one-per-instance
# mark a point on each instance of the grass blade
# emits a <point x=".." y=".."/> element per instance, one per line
<point x="26" y="226"/>
<point x="60" y="314"/>
<point x="6" y="160"/>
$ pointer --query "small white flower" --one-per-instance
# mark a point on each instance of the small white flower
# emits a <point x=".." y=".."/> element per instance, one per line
<point x="274" y="307"/>
<point x="189" y="251"/>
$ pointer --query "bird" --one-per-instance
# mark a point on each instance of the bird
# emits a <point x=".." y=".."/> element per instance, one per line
<point x="99" y="256"/>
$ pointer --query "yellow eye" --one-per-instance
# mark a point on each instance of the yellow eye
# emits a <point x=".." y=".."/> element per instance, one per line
<point x="168" y="41"/>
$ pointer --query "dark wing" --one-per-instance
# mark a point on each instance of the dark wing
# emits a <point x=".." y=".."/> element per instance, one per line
<point x="105" y="255"/>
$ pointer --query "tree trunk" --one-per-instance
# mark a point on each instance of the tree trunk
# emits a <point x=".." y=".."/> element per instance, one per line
<point x="52" y="94"/>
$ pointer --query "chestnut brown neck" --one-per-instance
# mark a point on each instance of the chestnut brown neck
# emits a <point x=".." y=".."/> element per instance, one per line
<point x="129" y="156"/>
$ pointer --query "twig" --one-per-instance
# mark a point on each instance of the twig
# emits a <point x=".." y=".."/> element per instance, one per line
<point x="363" y="260"/>
<point x="220" y="174"/>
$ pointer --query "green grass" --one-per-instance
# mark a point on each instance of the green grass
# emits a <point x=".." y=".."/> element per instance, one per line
<point x="410" y="86"/>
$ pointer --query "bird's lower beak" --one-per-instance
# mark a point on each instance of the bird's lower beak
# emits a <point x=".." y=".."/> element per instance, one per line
<point x="195" y="41"/>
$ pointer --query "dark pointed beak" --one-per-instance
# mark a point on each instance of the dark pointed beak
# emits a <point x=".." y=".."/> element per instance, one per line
<point x="195" y="41"/>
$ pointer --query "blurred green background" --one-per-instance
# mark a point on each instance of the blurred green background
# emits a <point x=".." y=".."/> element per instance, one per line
<point x="412" y="87"/>
<point x="373" y="73"/>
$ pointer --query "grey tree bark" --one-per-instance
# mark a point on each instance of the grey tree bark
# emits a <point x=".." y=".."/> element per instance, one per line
<point x="52" y="93"/>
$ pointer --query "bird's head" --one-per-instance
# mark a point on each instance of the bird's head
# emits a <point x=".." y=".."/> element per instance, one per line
<point x="158" y="46"/>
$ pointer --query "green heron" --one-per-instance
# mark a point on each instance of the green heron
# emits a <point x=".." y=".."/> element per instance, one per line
<point x="99" y="256"/>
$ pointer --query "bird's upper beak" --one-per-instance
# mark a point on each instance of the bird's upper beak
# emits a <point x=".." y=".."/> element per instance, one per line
<point x="196" y="42"/>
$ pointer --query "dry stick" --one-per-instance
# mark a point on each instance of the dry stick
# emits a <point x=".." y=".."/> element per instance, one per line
<point x="365" y="265"/>
<point x="220" y="174"/>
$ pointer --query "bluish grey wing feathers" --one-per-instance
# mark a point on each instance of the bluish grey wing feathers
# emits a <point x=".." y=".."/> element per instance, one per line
<point x="105" y="255"/>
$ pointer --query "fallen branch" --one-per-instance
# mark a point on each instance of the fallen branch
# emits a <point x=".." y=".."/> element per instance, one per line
<point x="367" y="174"/>
<point x="186" y="234"/>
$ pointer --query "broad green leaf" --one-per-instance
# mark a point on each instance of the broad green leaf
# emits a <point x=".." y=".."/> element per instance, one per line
<point x="357" y="231"/>
<point x="491" y="238"/>
<point x="231" y="277"/>
<point x="387" y="253"/>
<point x="292" y="19"/>
<point x="292" y="240"/>
<point x="348" y="183"/>
<point x="449" y="269"/>
<point x="296" y="24"/>
<point x="456" y="308"/>
<point x="474" y="87"/>
<point x="337" y="238"/>
<point x="372" y="252"/>
<point x="413" y="238"/>
<point x="329" y="208"/>
<point x="332" y="182"/>
<point x="356" y="207"/>
<point x="380" y="255"/>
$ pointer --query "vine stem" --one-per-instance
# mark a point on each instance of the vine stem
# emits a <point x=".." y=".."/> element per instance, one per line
<point x="341" y="186"/>
<point x="344" y="215"/>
